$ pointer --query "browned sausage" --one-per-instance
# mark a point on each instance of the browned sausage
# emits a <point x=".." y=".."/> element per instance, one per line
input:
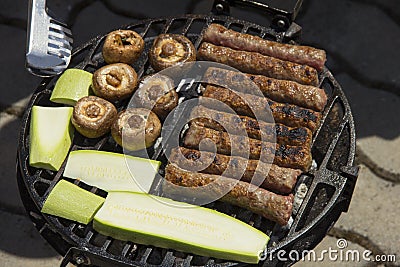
<point x="271" y="206"/>
<point x="219" y="35"/>
<point x="272" y="177"/>
<point x="279" y="90"/>
<point x="288" y="114"/>
<point x="296" y="157"/>
<point x="255" y="63"/>
<point x="223" y="121"/>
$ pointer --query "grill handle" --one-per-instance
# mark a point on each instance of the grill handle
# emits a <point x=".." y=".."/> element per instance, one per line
<point x="282" y="17"/>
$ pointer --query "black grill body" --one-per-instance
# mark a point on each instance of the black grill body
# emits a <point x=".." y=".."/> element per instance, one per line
<point x="329" y="184"/>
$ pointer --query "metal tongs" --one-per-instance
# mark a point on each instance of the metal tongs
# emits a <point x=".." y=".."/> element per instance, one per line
<point x="49" y="42"/>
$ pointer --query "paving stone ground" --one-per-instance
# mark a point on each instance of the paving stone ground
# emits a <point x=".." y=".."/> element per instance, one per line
<point x="373" y="211"/>
<point x="330" y="253"/>
<point x="361" y="38"/>
<point x="9" y="195"/>
<point x="21" y="245"/>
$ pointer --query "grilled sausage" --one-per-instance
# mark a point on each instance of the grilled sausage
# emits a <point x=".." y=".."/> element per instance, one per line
<point x="279" y="90"/>
<point x="219" y="35"/>
<point x="296" y="157"/>
<point x="271" y="206"/>
<point x="288" y="114"/>
<point x="255" y="63"/>
<point x="273" y="177"/>
<point x="223" y="121"/>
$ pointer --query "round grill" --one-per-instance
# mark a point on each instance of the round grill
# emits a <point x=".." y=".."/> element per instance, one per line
<point x="329" y="183"/>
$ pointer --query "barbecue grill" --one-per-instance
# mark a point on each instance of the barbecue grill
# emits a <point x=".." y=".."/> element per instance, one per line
<point x="322" y="194"/>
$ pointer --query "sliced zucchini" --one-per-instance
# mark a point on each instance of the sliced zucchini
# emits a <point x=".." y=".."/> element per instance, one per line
<point x="51" y="134"/>
<point x="112" y="171"/>
<point x="71" y="202"/>
<point x="165" y="223"/>
<point x="72" y="85"/>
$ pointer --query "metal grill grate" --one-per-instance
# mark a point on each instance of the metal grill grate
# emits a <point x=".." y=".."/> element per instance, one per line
<point x="330" y="183"/>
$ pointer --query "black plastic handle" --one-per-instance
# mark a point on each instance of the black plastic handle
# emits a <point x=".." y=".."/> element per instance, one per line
<point x="283" y="12"/>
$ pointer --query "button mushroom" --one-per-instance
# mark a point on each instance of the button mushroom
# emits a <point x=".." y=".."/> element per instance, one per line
<point x="136" y="128"/>
<point x="123" y="46"/>
<point x="114" y="82"/>
<point x="169" y="50"/>
<point x="93" y="116"/>
<point x="157" y="93"/>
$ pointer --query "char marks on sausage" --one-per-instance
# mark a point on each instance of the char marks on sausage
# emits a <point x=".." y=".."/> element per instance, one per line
<point x="279" y="90"/>
<point x="253" y="106"/>
<point x="271" y="206"/>
<point x="255" y="63"/>
<point x="228" y="122"/>
<point x="219" y="35"/>
<point x="296" y="157"/>
<point x="272" y="177"/>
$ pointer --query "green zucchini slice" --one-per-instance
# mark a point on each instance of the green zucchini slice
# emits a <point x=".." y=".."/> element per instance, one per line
<point x="51" y="134"/>
<point x="71" y="202"/>
<point x="72" y="85"/>
<point x="165" y="223"/>
<point x="112" y="171"/>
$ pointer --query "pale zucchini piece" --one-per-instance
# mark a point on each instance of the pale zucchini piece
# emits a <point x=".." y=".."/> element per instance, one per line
<point x="161" y="222"/>
<point x="112" y="171"/>
<point x="71" y="202"/>
<point x="51" y="134"/>
<point x="71" y="86"/>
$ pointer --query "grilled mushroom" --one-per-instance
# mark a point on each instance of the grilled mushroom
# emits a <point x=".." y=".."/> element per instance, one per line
<point x="169" y="50"/>
<point x="93" y="116"/>
<point x="157" y="93"/>
<point x="136" y="128"/>
<point x="123" y="46"/>
<point x="114" y="82"/>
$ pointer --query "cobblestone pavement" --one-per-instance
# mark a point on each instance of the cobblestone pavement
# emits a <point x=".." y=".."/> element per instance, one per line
<point x="362" y="39"/>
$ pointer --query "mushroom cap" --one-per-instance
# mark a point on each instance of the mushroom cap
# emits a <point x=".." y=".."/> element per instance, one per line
<point x="93" y="116"/>
<point x="123" y="46"/>
<point x="114" y="82"/>
<point x="136" y="128"/>
<point x="169" y="50"/>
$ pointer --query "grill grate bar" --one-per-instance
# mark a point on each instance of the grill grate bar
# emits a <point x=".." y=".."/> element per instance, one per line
<point x="167" y="25"/>
<point x="106" y="244"/>
<point x="146" y="255"/>
<point x="185" y="28"/>
<point x="89" y="236"/>
<point x="334" y="142"/>
<point x="126" y="249"/>
<point x="245" y="29"/>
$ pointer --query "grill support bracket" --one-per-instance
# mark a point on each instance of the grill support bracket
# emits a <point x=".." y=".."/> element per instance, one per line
<point x="282" y="18"/>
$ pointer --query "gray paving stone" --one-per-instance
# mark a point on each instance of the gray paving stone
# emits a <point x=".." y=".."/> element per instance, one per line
<point x="9" y="194"/>
<point x="16" y="82"/>
<point x="354" y="33"/>
<point x="9" y="8"/>
<point x="375" y="112"/>
<point x="384" y="153"/>
<point x="22" y="246"/>
<point x="340" y="256"/>
<point x="114" y="14"/>
<point x="84" y="27"/>
<point x="374" y="211"/>
<point x="17" y="108"/>
<point x="377" y="122"/>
